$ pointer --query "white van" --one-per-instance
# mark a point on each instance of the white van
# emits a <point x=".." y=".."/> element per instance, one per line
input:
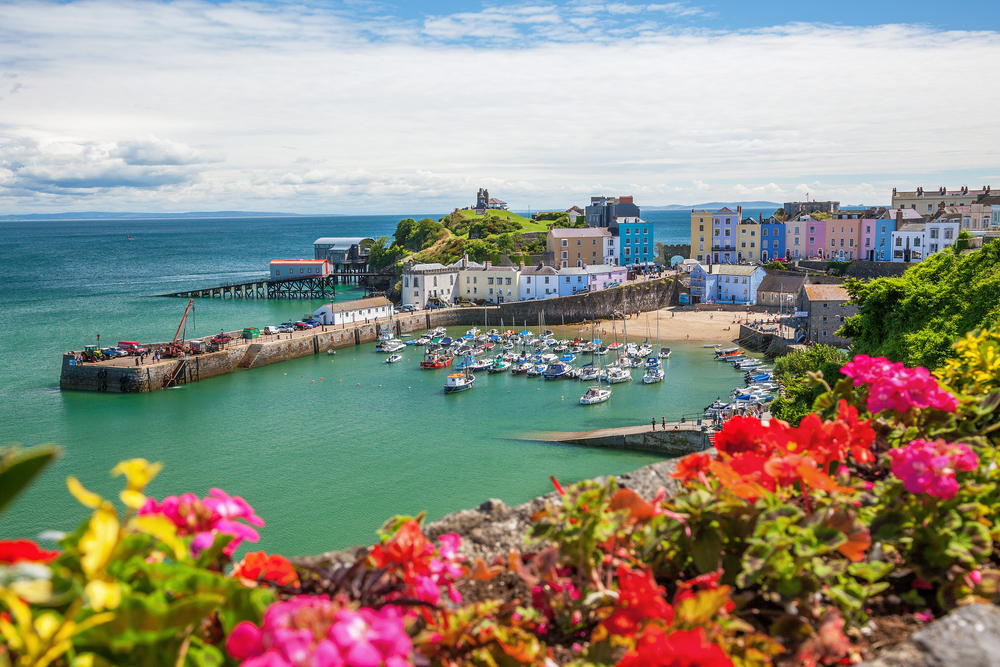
<point x="269" y="330"/>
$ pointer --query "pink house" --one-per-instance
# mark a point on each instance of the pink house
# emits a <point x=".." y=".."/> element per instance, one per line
<point x="814" y="234"/>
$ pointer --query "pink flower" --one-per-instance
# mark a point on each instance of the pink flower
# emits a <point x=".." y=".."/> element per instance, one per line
<point x="893" y="386"/>
<point x="450" y="542"/>
<point x="310" y="631"/>
<point x="930" y="467"/>
<point x="204" y="519"/>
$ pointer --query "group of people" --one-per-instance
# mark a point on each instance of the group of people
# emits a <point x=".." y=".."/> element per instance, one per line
<point x="141" y="358"/>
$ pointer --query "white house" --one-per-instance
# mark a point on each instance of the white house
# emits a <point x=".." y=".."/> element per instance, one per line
<point x="538" y="282"/>
<point x="423" y="283"/>
<point x="360" y="310"/>
<point x="298" y="268"/>
<point x="726" y="283"/>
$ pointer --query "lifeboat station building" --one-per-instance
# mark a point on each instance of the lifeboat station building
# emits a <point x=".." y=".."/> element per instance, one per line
<point x="287" y="269"/>
<point x="348" y="312"/>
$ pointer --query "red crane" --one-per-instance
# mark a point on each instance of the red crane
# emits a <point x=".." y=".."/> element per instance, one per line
<point x="174" y="349"/>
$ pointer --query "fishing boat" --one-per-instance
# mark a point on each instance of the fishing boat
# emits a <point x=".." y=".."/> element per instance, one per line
<point x="433" y="361"/>
<point x="653" y="375"/>
<point x="594" y="395"/>
<point x="456" y="382"/>
<point x="557" y="371"/>
<point x="393" y="359"/>
<point x="728" y="350"/>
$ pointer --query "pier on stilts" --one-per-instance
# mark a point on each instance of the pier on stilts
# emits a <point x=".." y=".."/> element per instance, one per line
<point x="308" y="287"/>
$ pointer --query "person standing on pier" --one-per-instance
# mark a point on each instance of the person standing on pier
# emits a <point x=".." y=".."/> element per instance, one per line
<point x="654" y="423"/>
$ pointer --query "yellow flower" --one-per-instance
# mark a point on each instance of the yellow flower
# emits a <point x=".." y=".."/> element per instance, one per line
<point x="138" y="472"/>
<point x="99" y="542"/>
<point x="88" y="498"/>
<point x="103" y="594"/>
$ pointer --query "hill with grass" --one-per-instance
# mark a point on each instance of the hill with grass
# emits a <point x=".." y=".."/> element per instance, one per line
<point x="914" y="318"/>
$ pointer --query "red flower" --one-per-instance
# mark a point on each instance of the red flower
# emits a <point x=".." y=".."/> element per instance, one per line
<point x="259" y="566"/>
<point x="15" y="551"/>
<point x="861" y="435"/>
<point x="639" y="599"/>
<point x="685" y="648"/>
<point x="692" y="466"/>
<point x="742" y="434"/>
<point x="408" y="548"/>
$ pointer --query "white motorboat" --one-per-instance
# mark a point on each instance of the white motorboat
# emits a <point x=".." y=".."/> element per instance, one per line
<point x="557" y="371"/>
<point x="499" y="365"/>
<point x="456" y="382"/>
<point x="393" y="359"/>
<point x="394" y="346"/>
<point x="589" y="373"/>
<point x="595" y="395"/>
<point x="715" y="345"/>
<point x="653" y="375"/>
<point x="643" y="350"/>
<point x="665" y="353"/>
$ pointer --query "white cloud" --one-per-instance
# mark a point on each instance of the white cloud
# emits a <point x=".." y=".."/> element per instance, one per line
<point x="314" y="113"/>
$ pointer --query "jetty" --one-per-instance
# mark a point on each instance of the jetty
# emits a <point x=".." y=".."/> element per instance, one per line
<point x="308" y="287"/>
<point x="677" y="439"/>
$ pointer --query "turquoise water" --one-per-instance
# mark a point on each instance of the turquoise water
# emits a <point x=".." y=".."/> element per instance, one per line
<point x="325" y="448"/>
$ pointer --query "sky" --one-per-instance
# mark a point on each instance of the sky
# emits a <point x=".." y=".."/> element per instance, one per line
<point x="383" y="107"/>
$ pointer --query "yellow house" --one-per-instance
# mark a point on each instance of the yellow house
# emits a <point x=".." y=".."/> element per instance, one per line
<point x="748" y="240"/>
<point x="701" y="235"/>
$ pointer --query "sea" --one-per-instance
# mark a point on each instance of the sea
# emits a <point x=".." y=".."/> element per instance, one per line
<point x="326" y="448"/>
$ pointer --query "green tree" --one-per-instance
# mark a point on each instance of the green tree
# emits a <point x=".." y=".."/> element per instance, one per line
<point x="776" y="266"/>
<point x="380" y="254"/>
<point x="403" y="230"/>
<point x="914" y="318"/>
<point x="480" y="251"/>
<point x="793" y="372"/>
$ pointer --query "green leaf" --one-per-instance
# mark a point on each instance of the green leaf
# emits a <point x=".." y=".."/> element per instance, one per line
<point x="706" y="551"/>
<point x="18" y="467"/>
<point x="870" y="572"/>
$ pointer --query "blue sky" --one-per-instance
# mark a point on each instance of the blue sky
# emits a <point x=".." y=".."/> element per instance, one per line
<point x="353" y="107"/>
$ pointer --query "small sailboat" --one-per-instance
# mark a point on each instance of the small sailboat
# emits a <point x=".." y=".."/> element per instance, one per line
<point x="499" y="366"/>
<point x="393" y="359"/>
<point x="617" y="374"/>
<point x="594" y="395"/>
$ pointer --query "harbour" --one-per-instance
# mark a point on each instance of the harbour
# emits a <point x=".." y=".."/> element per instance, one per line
<point x="337" y="443"/>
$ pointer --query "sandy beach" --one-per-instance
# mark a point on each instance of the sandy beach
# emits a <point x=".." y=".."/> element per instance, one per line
<point x="709" y="326"/>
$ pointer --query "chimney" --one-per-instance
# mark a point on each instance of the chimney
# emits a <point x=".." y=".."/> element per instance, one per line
<point x="899" y="217"/>
<point x="894" y="191"/>
<point x="465" y="261"/>
<point x="760" y="216"/>
<point x="489" y="264"/>
<point x="522" y="265"/>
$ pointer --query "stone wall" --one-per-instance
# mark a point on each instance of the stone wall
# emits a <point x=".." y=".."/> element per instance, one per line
<point x="668" y="443"/>
<point x="643" y="296"/>
<point x="682" y="249"/>
<point x="871" y="270"/>
<point x="770" y="344"/>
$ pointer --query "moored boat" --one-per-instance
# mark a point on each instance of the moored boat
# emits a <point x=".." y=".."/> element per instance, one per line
<point x="557" y="371"/>
<point x="595" y="395"/>
<point x="456" y="382"/>
<point x="393" y="359"/>
<point x="653" y="375"/>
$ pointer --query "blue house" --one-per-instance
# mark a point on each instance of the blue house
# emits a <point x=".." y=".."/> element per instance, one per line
<point x="621" y="216"/>
<point x="772" y="239"/>
<point x="573" y="279"/>
<point x="726" y="283"/>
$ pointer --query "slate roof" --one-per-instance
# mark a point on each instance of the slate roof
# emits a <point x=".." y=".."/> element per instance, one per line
<point x="359" y="304"/>
<point x="786" y="284"/>
<point x="586" y="232"/>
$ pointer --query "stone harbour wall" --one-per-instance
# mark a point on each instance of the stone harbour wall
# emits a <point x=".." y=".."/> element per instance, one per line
<point x="650" y="295"/>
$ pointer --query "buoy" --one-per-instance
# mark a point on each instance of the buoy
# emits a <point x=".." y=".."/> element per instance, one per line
<point x="314" y="381"/>
<point x="341" y="380"/>
<point x="286" y="373"/>
<point x="359" y="384"/>
<point x="538" y="389"/>
<point x="321" y="379"/>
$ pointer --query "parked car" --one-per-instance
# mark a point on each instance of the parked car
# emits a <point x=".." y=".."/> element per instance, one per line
<point x="301" y="326"/>
<point x="408" y="308"/>
<point x="112" y="352"/>
<point x="222" y="338"/>
<point x="269" y="330"/>
<point x="614" y="284"/>
<point x="285" y="329"/>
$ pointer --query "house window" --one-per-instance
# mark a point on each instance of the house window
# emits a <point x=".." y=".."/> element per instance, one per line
<point x="565" y="243"/>
<point x="833" y="243"/>
<point x="796" y="240"/>
<point x="579" y="242"/>
<point x="508" y="281"/>
<point x="489" y="281"/>
<point x="546" y="281"/>
<point x="899" y="241"/>
<point x="701" y="228"/>
<point x="947" y="233"/>
<point x="415" y="282"/>
<point x="416" y="292"/>
<point x="764" y="233"/>
<point x="435" y="281"/>
<point x="565" y="255"/>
